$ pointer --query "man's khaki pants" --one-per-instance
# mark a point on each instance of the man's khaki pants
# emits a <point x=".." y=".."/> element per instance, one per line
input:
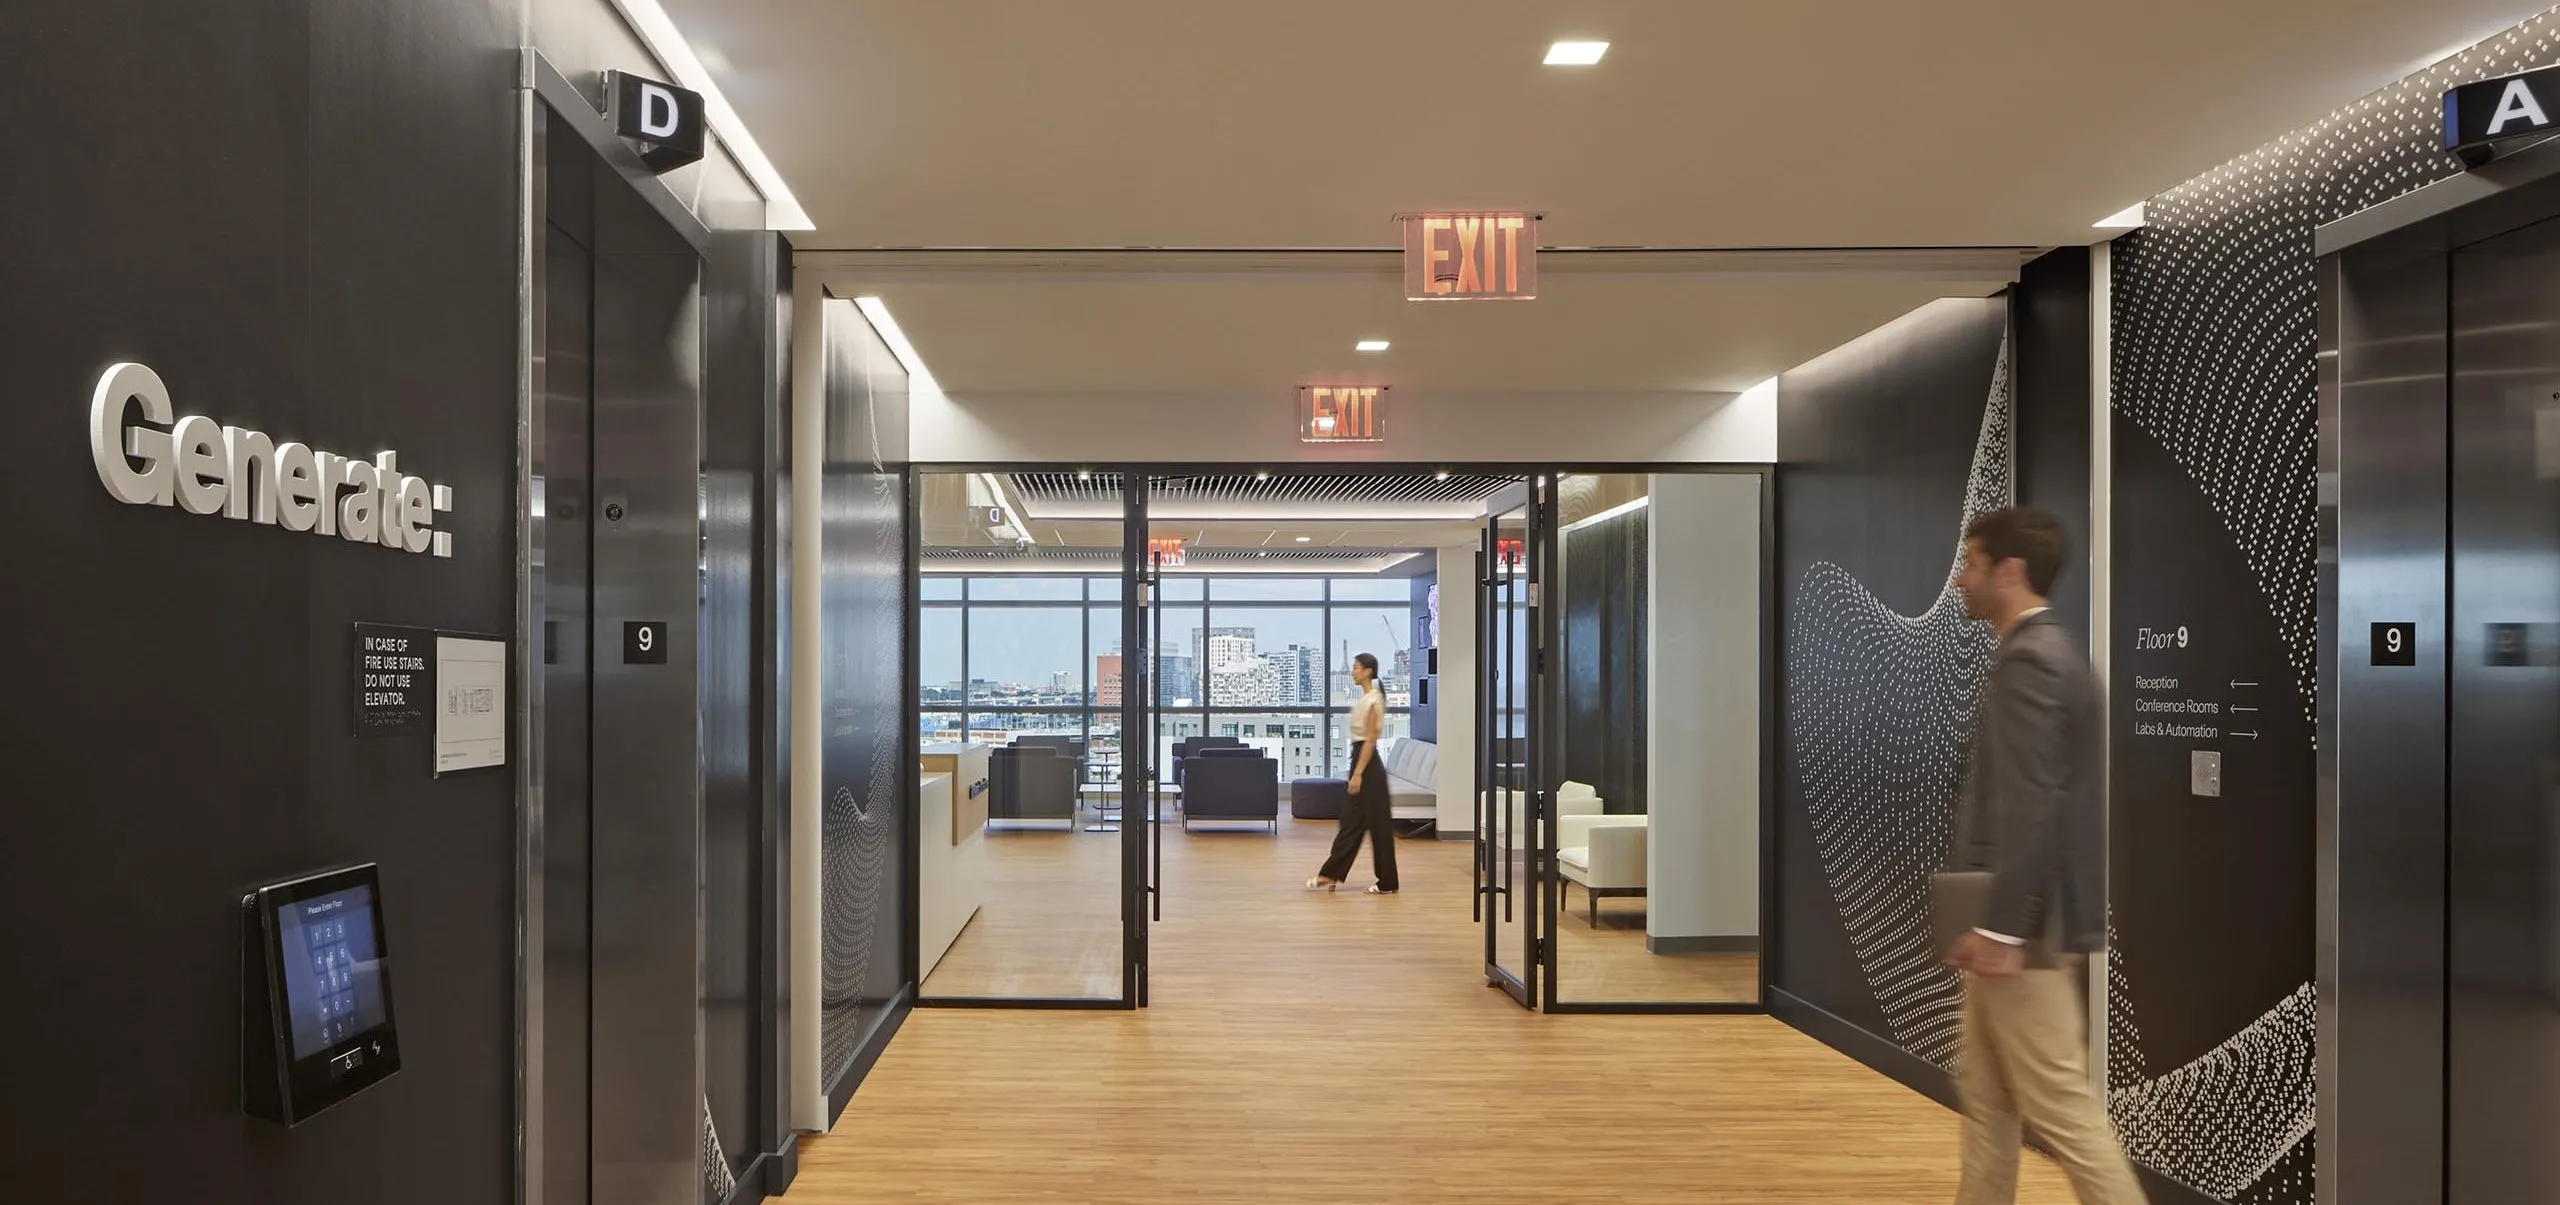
<point x="2026" y="1058"/>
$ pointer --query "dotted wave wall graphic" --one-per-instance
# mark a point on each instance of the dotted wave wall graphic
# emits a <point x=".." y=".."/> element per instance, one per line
<point x="858" y="825"/>
<point x="2214" y="337"/>
<point x="2227" y="1118"/>
<point x="1881" y="704"/>
<point x="2215" y="305"/>
<point x="718" y="1182"/>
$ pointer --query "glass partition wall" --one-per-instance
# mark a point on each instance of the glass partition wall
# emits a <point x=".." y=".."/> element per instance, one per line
<point x="1616" y="663"/>
<point x="1024" y="873"/>
<point x="1659" y="741"/>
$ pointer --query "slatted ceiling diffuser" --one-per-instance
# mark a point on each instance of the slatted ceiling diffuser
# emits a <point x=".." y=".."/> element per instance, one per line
<point x="1051" y="487"/>
<point x="1192" y="557"/>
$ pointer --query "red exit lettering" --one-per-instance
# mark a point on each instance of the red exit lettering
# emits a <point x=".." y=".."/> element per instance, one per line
<point x="1470" y="256"/>
<point x="1341" y="414"/>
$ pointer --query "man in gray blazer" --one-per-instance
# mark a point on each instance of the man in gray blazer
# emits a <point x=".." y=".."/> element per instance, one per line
<point x="2031" y="822"/>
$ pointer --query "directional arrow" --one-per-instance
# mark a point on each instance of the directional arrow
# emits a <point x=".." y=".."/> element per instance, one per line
<point x="2244" y="708"/>
<point x="2251" y="735"/>
<point x="2238" y="685"/>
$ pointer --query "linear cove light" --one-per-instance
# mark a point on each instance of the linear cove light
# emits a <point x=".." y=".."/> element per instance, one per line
<point x="877" y="311"/>
<point x="1370" y="345"/>
<point x="1575" y="54"/>
<point x="2127" y="218"/>
<point x="658" y="32"/>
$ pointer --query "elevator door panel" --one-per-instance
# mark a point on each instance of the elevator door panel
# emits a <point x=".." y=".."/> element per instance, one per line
<point x="2503" y="997"/>
<point x="561" y="485"/>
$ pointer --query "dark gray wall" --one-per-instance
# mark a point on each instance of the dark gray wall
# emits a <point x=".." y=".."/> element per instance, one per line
<point x="1886" y="446"/>
<point x="1605" y="591"/>
<point x="746" y="285"/>
<point x="867" y="764"/>
<point x="1426" y="714"/>
<point x="2214" y="429"/>
<point x="303" y="216"/>
<point x="2051" y="317"/>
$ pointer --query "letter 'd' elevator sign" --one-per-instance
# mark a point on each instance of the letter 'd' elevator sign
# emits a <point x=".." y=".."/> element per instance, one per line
<point x="2477" y="116"/>
<point x="1342" y="413"/>
<point x="1470" y="256"/>
<point x="664" y="119"/>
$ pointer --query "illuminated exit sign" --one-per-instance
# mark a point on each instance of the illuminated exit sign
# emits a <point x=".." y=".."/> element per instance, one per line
<point x="1342" y="414"/>
<point x="1470" y="256"/>
<point x="1165" y="551"/>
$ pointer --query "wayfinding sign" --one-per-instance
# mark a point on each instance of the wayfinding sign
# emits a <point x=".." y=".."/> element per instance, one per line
<point x="2479" y="115"/>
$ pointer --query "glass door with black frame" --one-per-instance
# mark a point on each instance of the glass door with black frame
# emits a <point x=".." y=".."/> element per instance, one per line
<point x="1507" y="866"/>
<point x="1141" y="704"/>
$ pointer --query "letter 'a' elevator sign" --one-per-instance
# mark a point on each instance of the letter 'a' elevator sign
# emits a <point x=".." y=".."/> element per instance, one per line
<point x="1330" y="414"/>
<point x="2479" y="115"/>
<point x="1470" y="256"/>
<point x="665" y="120"/>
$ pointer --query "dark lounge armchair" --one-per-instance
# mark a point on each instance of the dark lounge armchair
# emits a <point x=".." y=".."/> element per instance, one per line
<point x="1070" y="747"/>
<point x="1235" y="784"/>
<point x="1031" y="783"/>
<point x="1190" y="747"/>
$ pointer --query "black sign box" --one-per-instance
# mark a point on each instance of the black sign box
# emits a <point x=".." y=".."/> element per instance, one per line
<point x="2395" y="644"/>
<point x="2508" y="646"/>
<point x="2494" y="110"/>
<point x="393" y="678"/>
<point x="644" y="642"/>
<point x="664" y="119"/>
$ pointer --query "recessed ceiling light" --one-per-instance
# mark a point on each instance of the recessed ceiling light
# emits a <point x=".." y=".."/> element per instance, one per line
<point x="1263" y="475"/>
<point x="1306" y="539"/>
<point x="1442" y="475"/>
<point x="1084" y="474"/>
<point x="1370" y="345"/>
<point x="2125" y="219"/>
<point x="1575" y="54"/>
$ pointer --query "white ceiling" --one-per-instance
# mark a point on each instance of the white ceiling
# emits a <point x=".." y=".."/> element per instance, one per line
<point x="1584" y="333"/>
<point x="1309" y="123"/>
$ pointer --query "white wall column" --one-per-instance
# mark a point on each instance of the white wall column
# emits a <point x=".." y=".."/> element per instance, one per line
<point x="1702" y="683"/>
<point x="808" y="1096"/>
<point x="1454" y="694"/>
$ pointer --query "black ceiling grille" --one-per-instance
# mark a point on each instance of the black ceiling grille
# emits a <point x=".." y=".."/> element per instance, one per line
<point x="1037" y="488"/>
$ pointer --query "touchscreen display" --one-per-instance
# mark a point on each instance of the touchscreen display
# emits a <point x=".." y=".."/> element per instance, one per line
<point x="332" y="971"/>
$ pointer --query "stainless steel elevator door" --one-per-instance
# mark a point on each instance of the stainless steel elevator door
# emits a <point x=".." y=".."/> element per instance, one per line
<point x="2503" y="990"/>
<point x="563" y="489"/>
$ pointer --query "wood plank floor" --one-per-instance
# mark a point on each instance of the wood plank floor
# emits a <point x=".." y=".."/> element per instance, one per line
<point x="1343" y="1047"/>
<point x="1050" y="924"/>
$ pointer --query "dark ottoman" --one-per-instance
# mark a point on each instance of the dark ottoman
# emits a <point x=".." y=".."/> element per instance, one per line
<point x="1318" y="798"/>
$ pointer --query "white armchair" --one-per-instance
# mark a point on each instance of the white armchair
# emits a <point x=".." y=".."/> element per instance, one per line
<point x="1605" y="854"/>
<point x="1572" y="799"/>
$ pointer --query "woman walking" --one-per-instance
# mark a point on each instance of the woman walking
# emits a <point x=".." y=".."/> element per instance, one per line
<point x="1368" y="808"/>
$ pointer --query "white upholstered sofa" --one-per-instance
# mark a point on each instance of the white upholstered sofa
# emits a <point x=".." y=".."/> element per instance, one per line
<point x="1413" y="778"/>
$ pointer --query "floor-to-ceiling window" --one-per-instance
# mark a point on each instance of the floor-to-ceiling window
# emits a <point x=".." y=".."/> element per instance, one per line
<point x="1265" y="659"/>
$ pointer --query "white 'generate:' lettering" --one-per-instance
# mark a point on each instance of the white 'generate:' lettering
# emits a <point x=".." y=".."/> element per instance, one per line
<point x="206" y="468"/>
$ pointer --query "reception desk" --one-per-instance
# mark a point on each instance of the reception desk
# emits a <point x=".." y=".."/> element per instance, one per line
<point x="951" y="848"/>
<point x="967" y="766"/>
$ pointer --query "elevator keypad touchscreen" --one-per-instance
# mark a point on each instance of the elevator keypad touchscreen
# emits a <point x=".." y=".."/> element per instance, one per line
<point x="316" y="1021"/>
<point x="333" y="980"/>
